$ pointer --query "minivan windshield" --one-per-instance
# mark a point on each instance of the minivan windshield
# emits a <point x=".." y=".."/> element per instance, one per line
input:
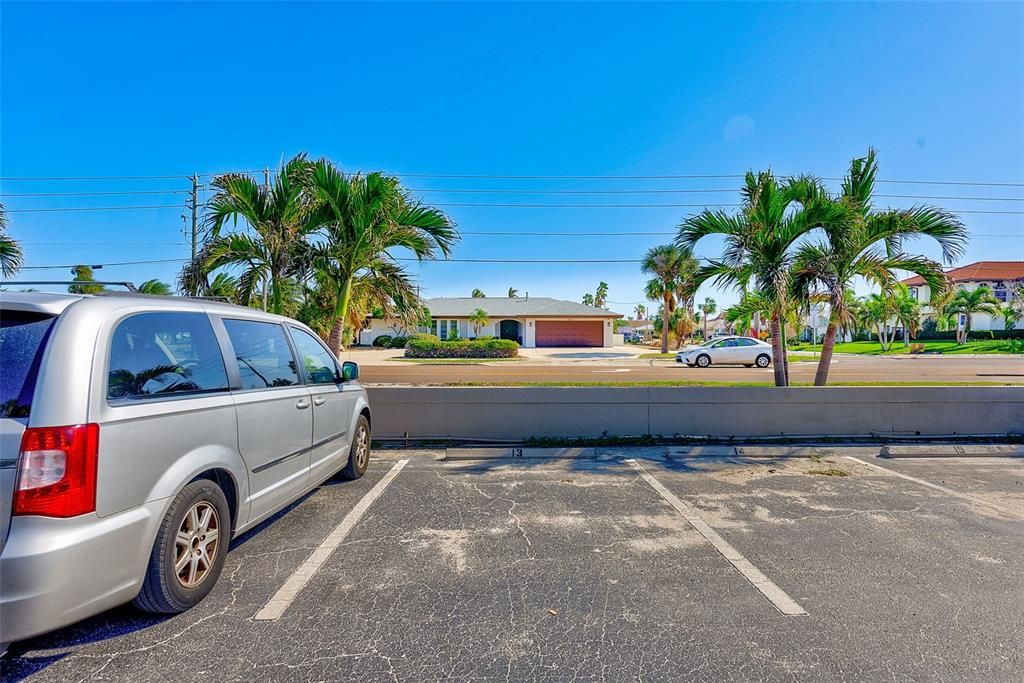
<point x="22" y="341"/>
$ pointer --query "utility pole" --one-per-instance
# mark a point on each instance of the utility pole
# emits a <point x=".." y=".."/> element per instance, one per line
<point x="195" y="223"/>
<point x="266" y="186"/>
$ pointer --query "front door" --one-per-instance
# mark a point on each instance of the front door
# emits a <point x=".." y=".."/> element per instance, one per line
<point x="275" y="417"/>
<point x="333" y="405"/>
<point x="509" y="329"/>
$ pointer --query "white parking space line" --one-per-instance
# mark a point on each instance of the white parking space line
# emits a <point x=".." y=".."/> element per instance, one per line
<point x="949" y="492"/>
<point x="766" y="586"/>
<point x="287" y="593"/>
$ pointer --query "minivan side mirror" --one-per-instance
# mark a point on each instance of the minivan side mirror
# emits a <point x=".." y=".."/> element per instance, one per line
<point x="349" y="371"/>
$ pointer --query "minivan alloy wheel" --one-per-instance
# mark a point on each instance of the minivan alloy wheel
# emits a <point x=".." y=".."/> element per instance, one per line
<point x="362" y="447"/>
<point x="197" y="543"/>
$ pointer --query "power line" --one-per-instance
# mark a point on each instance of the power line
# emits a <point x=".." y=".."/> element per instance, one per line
<point x="694" y="176"/>
<point x="689" y="190"/>
<point x="96" y="208"/>
<point x="90" y="194"/>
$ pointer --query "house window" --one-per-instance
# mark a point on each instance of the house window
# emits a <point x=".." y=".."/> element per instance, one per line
<point x="913" y="293"/>
<point x="445" y="329"/>
<point x="1001" y="293"/>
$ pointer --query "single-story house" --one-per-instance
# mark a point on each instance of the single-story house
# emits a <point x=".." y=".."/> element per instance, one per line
<point x="531" y="321"/>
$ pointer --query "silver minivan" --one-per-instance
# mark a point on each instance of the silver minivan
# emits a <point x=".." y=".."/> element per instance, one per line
<point x="138" y="434"/>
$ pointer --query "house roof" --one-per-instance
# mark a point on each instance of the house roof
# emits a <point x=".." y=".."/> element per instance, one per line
<point x="503" y="307"/>
<point x="980" y="270"/>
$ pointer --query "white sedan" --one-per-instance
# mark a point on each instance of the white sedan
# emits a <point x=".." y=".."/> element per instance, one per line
<point x="728" y="351"/>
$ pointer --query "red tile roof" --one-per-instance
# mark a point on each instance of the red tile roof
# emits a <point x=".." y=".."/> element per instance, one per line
<point x="981" y="270"/>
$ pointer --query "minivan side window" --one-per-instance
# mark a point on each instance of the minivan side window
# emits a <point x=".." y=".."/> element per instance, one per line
<point x="264" y="358"/>
<point x="153" y="354"/>
<point x="318" y="363"/>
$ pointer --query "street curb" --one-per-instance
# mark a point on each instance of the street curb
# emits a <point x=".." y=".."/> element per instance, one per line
<point x="967" y="451"/>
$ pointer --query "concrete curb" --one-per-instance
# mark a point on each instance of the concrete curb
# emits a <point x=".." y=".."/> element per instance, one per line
<point x="954" y="451"/>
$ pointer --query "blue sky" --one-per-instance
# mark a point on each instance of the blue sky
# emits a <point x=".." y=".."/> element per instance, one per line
<point x="128" y="89"/>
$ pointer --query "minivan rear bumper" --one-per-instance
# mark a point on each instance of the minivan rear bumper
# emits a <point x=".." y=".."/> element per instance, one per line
<point x="54" y="572"/>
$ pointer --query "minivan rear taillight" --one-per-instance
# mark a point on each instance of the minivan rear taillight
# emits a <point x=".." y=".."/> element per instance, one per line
<point x="57" y="471"/>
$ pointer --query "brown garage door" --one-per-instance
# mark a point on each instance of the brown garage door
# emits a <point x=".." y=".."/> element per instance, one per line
<point x="570" y="333"/>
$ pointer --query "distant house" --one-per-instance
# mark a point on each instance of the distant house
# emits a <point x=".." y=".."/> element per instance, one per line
<point x="531" y="321"/>
<point x="1001" y="277"/>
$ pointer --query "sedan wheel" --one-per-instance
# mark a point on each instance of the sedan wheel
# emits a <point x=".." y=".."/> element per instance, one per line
<point x="703" y="360"/>
<point x="763" y="361"/>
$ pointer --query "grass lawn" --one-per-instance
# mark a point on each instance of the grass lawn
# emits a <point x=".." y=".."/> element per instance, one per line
<point x="871" y="348"/>
<point x="456" y="361"/>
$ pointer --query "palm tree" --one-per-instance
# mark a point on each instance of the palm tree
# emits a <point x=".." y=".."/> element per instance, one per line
<point x="759" y="245"/>
<point x="907" y="313"/>
<point x="273" y="248"/>
<point x="84" y="274"/>
<point x="478" y="294"/>
<point x="640" y="311"/>
<point x="601" y="295"/>
<point x="360" y="218"/>
<point x="11" y="256"/>
<point x="707" y="308"/>
<point x="1011" y="317"/>
<point x="682" y="323"/>
<point x="479" y="321"/>
<point x="155" y="287"/>
<point x="588" y="299"/>
<point x="879" y="309"/>
<point x="969" y="302"/>
<point x="869" y="244"/>
<point x="673" y="269"/>
<point x="513" y="292"/>
<point x="224" y="286"/>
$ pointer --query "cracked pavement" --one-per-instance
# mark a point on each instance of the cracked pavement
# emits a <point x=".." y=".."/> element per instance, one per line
<point x="578" y="570"/>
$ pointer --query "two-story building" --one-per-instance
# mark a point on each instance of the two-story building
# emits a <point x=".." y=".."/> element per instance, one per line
<point x="1003" y="279"/>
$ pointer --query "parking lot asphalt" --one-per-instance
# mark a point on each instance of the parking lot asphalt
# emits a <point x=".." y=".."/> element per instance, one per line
<point x="584" y="570"/>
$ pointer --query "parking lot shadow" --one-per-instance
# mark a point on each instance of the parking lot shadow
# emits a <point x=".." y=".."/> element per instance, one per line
<point x="610" y="463"/>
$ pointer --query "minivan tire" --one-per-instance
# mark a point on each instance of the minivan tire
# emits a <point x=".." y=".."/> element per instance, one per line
<point x="358" y="451"/>
<point x="162" y="592"/>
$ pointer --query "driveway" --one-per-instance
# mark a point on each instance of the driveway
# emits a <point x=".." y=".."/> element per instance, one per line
<point x="639" y="564"/>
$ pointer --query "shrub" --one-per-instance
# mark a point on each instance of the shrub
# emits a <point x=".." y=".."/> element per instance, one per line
<point x="383" y="341"/>
<point x="485" y="337"/>
<point x="423" y="335"/>
<point x="917" y="348"/>
<point x="398" y="342"/>
<point x="421" y="347"/>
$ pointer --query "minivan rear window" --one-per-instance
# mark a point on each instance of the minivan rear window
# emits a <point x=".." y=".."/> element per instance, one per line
<point x="23" y="338"/>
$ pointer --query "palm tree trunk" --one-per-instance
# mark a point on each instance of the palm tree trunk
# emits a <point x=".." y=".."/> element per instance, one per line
<point x="827" y="346"/>
<point x="277" y="294"/>
<point x="778" y="364"/>
<point x="337" y="340"/>
<point x="665" y="314"/>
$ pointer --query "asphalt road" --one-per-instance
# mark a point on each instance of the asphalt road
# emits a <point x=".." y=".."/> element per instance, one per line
<point x="1003" y="369"/>
<point x="582" y="570"/>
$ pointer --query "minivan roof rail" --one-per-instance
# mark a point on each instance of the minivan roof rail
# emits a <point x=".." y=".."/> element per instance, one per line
<point x="127" y="285"/>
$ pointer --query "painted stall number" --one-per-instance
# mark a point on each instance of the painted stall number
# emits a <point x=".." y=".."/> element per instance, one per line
<point x="517" y="452"/>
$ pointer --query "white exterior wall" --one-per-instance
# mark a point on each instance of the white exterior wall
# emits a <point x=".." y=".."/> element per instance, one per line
<point x="529" y="333"/>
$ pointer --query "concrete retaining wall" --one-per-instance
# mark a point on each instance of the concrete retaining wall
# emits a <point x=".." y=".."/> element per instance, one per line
<point x="720" y="412"/>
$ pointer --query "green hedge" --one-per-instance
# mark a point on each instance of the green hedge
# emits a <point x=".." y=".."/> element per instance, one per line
<point x="421" y="347"/>
<point x="976" y="335"/>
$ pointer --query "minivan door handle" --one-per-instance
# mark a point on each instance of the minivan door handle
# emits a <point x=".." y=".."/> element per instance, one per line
<point x="319" y="401"/>
<point x="302" y="404"/>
